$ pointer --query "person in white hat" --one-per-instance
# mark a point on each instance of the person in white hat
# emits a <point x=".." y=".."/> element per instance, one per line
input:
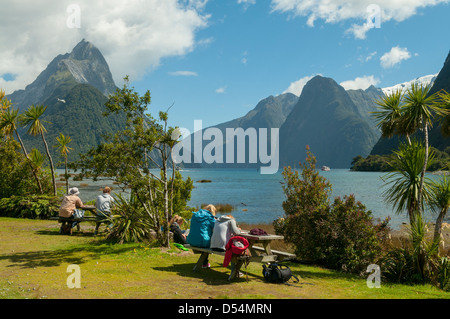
<point x="70" y="204"/>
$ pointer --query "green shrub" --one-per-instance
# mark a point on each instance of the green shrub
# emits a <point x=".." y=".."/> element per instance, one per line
<point x="341" y="235"/>
<point x="16" y="174"/>
<point x="444" y="273"/>
<point x="417" y="260"/>
<point x="32" y="207"/>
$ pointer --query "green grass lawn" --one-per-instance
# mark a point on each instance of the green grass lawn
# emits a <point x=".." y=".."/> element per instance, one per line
<point x="34" y="259"/>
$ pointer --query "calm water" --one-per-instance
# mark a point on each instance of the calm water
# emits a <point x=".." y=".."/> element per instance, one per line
<point x="257" y="198"/>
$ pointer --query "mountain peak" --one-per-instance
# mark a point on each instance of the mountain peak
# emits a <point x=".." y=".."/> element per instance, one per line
<point x="85" y="50"/>
<point x="85" y="65"/>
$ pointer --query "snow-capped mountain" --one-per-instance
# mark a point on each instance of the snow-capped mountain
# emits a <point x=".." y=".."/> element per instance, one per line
<point x="425" y="80"/>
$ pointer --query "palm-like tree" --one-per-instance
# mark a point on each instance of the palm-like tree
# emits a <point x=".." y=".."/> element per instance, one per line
<point x="32" y="117"/>
<point x="37" y="160"/>
<point x="404" y="180"/>
<point x="63" y="141"/>
<point x="389" y="115"/>
<point x="440" y="202"/>
<point x="8" y="124"/>
<point x="420" y="110"/>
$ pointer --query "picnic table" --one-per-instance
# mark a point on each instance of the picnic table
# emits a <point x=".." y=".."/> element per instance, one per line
<point x="96" y="217"/>
<point x="258" y="254"/>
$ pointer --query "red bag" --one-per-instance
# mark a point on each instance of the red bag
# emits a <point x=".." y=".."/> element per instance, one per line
<point x="237" y="245"/>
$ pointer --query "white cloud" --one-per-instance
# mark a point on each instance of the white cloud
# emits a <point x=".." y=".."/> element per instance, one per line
<point x="333" y="11"/>
<point x="360" y="83"/>
<point x="183" y="73"/>
<point x="246" y="3"/>
<point x="359" y="31"/>
<point x="221" y="90"/>
<point x="133" y="35"/>
<point x="394" y="57"/>
<point x="296" y="87"/>
<point x="370" y="56"/>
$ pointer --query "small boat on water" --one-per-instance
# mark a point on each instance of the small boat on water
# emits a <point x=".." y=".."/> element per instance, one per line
<point x="325" y="168"/>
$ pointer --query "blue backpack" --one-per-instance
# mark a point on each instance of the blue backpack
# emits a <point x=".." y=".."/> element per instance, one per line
<point x="202" y="225"/>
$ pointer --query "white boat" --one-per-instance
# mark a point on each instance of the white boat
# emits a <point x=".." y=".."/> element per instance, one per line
<point x="325" y="168"/>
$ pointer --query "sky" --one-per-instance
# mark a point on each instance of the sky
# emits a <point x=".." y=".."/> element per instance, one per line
<point x="214" y="60"/>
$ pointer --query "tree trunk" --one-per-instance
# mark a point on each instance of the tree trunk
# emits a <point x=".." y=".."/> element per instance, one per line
<point x="438" y="226"/>
<point x="52" y="168"/>
<point x="66" y="175"/>
<point x="36" y="177"/>
<point x="425" y="163"/>
<point x="166" y="200"/>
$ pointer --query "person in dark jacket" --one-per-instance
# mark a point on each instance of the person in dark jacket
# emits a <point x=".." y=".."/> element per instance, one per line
<point x="179" y="235"/>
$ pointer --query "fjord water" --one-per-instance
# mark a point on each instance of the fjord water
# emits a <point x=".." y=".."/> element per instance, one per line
<point x="258" y="198"/>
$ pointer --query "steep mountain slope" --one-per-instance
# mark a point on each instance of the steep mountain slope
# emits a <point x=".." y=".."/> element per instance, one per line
<point x="80" y="116"/>
<point x="364" y="100"/>
<point x="270" y="112"/>
<point x="85" y="64"/>
<point x="326" y="119"/>
<point x="74" y="87"/>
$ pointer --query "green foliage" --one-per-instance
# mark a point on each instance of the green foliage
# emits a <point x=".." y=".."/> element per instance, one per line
<point x="417" y="262"/>
<point x="444" y="273"/>
<point x="128" y="156"/>
<point x="311" y="191"/>
<point x="80" y="117"/>
<point x="380" y="163"/>
<point x="130" y="221"/>
<point x="340" y="235"/>
<point x="372" y="163"/>
<point x="405" y="179"/>
<point x="16" y="174"/>
<point x="32" y="206"/>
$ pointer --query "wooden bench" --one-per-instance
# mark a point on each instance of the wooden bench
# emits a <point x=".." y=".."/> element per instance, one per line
<point x="98" y="220"/>
<point x="257" y="254"/>
<point x="238" y="260"/>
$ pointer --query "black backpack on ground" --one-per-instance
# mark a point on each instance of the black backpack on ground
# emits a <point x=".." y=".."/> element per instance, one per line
<point x="277" y="273"/>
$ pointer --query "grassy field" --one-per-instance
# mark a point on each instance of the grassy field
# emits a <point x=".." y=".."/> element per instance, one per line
<point x="34" y="260"/>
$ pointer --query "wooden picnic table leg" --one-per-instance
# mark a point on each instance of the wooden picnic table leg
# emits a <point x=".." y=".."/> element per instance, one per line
<point x="236" y="269"/>
<point x="200" y="261"/>
<point x="267" y="248"/>
<point x="97" y="225"/>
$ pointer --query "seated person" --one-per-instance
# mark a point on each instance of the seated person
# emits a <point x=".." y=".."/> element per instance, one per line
<point x="70" y="204"/>
<point x="224" y="228"/>
<point x="104" y="202"/>
<point x="179" y="235"/>
<point x="202" y="225"/>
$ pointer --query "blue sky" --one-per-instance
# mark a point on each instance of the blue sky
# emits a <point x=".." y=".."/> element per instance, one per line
<point x="216" y="59"/>
<point x="252" y="53"/>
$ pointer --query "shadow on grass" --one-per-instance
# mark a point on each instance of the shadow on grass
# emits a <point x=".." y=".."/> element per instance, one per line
<point x="75" y="233"/>
<point x="215" y="275"/>
<point x="51" y="258"/>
